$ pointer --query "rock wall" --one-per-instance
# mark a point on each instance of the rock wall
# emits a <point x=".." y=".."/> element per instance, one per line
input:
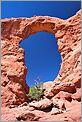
<point x="13" y="69"/>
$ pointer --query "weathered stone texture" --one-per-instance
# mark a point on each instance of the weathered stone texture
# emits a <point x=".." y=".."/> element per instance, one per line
<point x="13" y="69"/>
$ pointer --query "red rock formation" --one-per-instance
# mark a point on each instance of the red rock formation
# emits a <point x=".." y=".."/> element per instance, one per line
<point x="13" y="69"/>
<point x="63" y="95"/>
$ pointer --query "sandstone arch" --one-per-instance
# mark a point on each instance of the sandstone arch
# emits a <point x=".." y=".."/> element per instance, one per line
<point x="14" y="30"/>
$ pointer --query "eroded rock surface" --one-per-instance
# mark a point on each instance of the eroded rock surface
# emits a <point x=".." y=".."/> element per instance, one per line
<point x="13" y="70"/>
<point x="42" y="104"/>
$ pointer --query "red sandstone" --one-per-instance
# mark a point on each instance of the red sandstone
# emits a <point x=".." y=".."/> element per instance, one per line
<point x="66" y="86"/>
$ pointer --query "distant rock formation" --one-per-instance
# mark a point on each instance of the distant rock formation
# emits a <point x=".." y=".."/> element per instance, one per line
<point x="67" y="85"/>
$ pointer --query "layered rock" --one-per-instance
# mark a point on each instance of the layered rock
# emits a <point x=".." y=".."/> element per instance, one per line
<point x="13" y="70"/>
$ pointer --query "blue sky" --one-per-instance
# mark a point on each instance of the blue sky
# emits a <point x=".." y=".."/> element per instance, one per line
<point x="41" y="51"/>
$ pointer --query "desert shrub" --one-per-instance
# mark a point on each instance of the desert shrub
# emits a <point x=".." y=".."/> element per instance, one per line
<point x="36" y="92"/>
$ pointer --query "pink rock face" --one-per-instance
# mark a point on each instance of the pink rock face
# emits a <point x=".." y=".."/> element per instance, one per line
<point x="64" y="95"/>
<point x="13" y="69"/>
<point x="59" y="103"/>
<point x="77" y="95"/>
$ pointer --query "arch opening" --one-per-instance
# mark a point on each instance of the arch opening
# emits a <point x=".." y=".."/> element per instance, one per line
<point x="42" y="57"/>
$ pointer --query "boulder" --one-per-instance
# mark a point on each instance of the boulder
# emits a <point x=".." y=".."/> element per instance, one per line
<point x="64" y="95"/>
<point x="27" y="116"/>
<point x="42" y="104"/>
<point x="64" y="86"/>
<point x="58" y="103"/>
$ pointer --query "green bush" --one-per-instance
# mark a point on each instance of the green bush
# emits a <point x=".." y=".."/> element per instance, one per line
<point x="36" y="92"/>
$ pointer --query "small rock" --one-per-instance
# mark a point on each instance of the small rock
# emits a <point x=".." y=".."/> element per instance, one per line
<point x="55" y="111"/>
<point x="12" y="106"/>
<point x="24" y="104"/>
<point x="31" y="108"/>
